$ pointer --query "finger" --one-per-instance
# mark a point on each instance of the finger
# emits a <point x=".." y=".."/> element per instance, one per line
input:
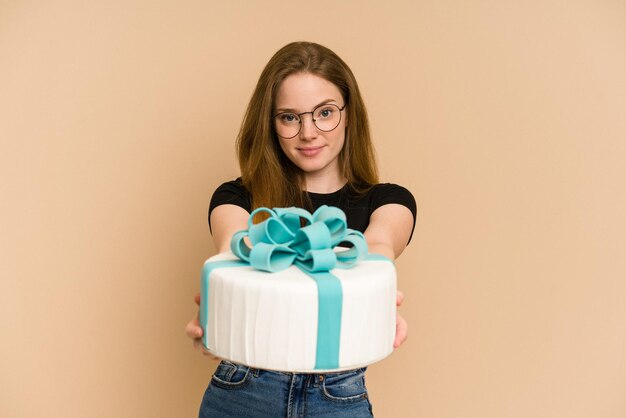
<point x="399" y="298"/>
<point x="205" y="352"/>
<point x="197" y="300"/>
<point x="402" y="331"/>
<point x="197" y="344"/>
<point x="193" y="329"/>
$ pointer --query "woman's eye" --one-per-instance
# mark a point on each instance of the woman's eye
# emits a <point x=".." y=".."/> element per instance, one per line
<point x="288" y="118"/>
<point x="325" y="113"/>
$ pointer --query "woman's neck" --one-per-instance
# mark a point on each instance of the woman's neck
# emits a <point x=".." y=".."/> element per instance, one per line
<point x="324" y="184"/>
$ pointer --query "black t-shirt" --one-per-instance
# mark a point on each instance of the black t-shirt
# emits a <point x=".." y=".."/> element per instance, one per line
<point x="358" y="208"/>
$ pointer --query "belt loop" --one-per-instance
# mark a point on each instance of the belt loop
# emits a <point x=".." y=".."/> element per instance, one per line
<point x="319" y="379"/>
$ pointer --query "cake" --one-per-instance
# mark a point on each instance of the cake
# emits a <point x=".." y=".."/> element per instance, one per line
<point x="260" y="305"/>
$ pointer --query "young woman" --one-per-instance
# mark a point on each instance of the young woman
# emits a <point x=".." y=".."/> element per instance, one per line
<point x="304" y="142"/>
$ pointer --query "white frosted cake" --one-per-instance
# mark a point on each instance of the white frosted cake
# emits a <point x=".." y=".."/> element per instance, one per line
<point x="271" y="319"/>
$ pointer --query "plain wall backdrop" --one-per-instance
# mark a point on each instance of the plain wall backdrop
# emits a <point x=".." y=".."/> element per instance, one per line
<point x="506" y="119"/>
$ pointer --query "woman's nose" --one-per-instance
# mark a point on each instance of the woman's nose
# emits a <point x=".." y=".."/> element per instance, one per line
<point x="309" y="130"/>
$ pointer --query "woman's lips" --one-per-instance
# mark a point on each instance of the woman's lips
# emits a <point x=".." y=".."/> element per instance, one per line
<point x="310" y="151"/>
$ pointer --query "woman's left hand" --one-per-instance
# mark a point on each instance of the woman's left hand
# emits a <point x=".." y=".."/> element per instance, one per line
<point x="194" y="331"/>
<point x="402" y="328"/>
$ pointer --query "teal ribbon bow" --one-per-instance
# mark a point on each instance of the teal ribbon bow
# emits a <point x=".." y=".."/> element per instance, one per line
<point x="293" y="236"/>
<point x="281" y="240"/>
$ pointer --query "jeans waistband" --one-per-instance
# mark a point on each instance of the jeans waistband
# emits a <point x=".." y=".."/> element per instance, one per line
<point x="256" y="371"/>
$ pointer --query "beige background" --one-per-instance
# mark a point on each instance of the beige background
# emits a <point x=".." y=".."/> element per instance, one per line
<point x="505" y="118"/>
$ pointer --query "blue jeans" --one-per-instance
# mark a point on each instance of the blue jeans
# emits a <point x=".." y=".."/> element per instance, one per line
<point x="241" y="391"/>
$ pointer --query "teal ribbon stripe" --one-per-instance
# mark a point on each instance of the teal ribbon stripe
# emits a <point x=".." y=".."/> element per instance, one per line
<point x="293" y="236"/>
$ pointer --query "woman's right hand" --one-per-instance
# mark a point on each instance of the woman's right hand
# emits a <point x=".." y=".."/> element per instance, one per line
<point x="194" y="331"/>
<point x="226" y="219"/>
<point x="402" y="328"/>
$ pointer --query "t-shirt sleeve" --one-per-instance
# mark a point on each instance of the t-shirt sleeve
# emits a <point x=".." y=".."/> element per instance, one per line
<point x="388" y="193"/>
<point x="230" y="193"/>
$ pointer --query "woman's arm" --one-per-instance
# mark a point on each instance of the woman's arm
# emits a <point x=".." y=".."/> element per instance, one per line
<point x="389" y="230"/>
<point x="388" y="234"/>
<point x="225" y="221"/>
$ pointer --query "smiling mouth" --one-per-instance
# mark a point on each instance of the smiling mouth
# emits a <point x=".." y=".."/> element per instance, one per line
<point x="310" y="151"/>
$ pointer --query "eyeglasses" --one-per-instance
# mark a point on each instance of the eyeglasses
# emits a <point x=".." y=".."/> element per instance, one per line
<point x="326" y="117"/>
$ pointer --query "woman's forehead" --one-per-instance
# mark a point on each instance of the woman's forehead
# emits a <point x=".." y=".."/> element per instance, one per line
<point x="303" y="91"/>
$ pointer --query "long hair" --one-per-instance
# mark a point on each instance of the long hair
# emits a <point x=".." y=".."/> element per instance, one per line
<point x="266" y="172"/>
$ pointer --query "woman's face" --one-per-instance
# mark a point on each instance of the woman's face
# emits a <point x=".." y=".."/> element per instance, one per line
<point x="312" y="150"/>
